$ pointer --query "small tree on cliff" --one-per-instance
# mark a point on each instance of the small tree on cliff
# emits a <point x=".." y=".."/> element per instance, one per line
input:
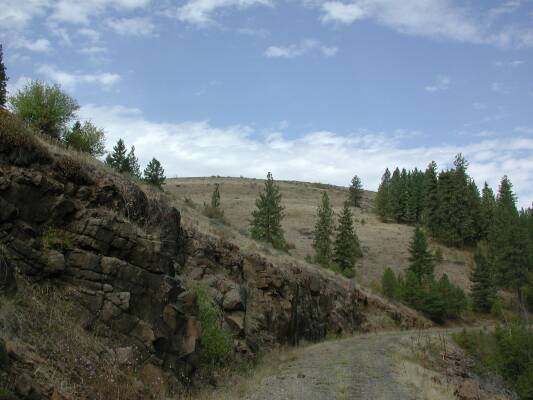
<point x="266" y="219"/>
<point x="117" y="159"/>
<point x="323" y="233"/>
<point x="154" y="174"/>
<point x="347" y="248"/>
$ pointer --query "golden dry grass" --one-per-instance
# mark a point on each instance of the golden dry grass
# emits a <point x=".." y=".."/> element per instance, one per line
<point x="384" y="244"/>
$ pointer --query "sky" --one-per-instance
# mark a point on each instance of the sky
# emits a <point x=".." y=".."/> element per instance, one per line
<point x="314" y="90"/>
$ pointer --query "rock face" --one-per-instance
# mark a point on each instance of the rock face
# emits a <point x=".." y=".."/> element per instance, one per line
<point x="267" y="303"/>
<point x="125" y="258"/>
<point x="100" y="235"/>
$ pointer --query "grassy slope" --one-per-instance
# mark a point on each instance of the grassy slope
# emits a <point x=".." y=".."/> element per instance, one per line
<point x="384" y="245"/>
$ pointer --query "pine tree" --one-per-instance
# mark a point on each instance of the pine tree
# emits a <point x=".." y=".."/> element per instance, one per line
<point x="383" y="206"/>
<point x="347" y="249"/>
<point x="421" y="260"/>
<point x="132" y="164"/>
<point x="3" y="80"/>
<point x="118" y="159"/>
<point x="214" y="210"/>
<point x="483" y="290"/>
<point x="266" y="219"/>
<point x="488" y="207"/>
<point x="324" y="227"/>
<point x="389" y="284"/>
<point x="356" y="192"/>
<point x="431" y="199"/>
<point x="395" y="195"/>
<point x="503" y="238"/>
<point x="154" y="174"/>
<point x="215" y="197"/>
<point x="412" y="292"/>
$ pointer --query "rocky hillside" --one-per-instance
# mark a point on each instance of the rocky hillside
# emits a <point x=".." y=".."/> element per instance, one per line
<point x="100" y="282"/>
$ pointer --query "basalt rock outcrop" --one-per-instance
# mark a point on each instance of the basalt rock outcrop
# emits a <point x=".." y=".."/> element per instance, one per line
<point x="126" y="259"/>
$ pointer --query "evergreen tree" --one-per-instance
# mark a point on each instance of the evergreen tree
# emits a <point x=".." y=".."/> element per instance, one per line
<point x="356" y="192"/>
<point x="396" y="195"/>
<point x="402" y="213"/>
<point x="118" y="159"/>
<point x="389" y="284"/>
<point x="412" y="291"/>
<point x="154" y="174"/>
<point x="214" y="210"/>
<point x="415" y="199"/>
<point x="266" y="219"/>
<point x="430" y="211"/>
<point x="347" y="249"/>
<point x="383" y="202"/>
<point x="503" y="238"/>
<point x="322" y="242"/>
<point x="488" y="207"/>
<point x="483" y="290"/>
<point x="3" y="80"/>
<point x="421" y="259"/>
<point x="215" y="197"/>
<point x="131" y="165"/>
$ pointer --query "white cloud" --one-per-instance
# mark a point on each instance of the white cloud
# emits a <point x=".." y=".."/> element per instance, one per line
<point x="91" y="34"/>
<point x="442" y="83"/>
<point x="142" y="26"/>
<point x="201" y="12"/>
<point x="41" y="45"/>
<point x="200" y="149"/>
<point x="17" y="14"/>
<point x="342" y="13"/>
<point x="429" y="18"/>
<point x="71" y="80"/>
<point x="80" y="12"/>
<point x="297" y="50"/>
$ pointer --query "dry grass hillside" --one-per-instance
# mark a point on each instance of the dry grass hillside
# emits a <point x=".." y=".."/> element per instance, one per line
<point x="384" y="244"/>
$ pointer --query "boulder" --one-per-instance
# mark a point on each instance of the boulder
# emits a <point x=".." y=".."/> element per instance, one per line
<point x="232" y="300"/>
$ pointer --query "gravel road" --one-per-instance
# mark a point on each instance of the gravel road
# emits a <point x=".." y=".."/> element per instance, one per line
<point x="360" y="367"/>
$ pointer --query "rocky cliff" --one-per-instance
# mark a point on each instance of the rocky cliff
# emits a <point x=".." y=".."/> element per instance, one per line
<point x="119" y="253"/>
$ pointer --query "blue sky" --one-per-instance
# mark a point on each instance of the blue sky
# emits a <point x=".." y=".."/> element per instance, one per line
<point x="314" y="90"/>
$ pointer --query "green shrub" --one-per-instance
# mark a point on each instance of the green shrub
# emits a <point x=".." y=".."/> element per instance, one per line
<point x="217" y="343"/>
<point x="508" y="351"/>
<point x="86" y="138"/>
<point x="44" y="106"/>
